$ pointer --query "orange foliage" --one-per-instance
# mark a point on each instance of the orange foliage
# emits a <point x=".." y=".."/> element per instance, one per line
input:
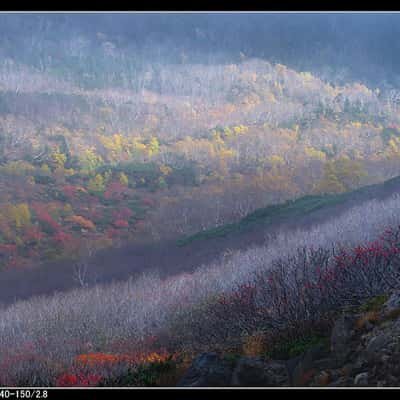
<point x="96" y="359"/>
<point x="83" y="222"/>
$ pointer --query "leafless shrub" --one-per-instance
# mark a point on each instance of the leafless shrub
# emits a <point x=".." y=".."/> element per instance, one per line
<point x="59" y="327"/>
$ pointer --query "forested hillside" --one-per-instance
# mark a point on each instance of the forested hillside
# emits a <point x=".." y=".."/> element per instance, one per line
<point x="216" y="190"/>
<point x="165" y="150"/>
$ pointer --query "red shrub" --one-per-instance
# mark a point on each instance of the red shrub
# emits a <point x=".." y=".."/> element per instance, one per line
<point x="115" y="191"/>
<point x="148" y="202"/>
<point x="78" y="380"/>
<point x="43" y="216"/>
<point x="70" y="191"/>
<point x="62" y="237"/>
<point x="8" y="248"/>
<point x="122" y="213"/>
<point x="33" y="234"/>
<point x="120" y="223"/>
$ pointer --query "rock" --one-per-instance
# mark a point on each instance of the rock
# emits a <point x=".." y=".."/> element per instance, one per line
<point x="361" y="379"/>
<point x="393" y="303"/>
<point x="322" y="379"/>
<point x="253" y="372"/>
<point x="341" y="382"/>
<point x="341" y="336"/>
<point x="368" y="326"/>
<point x="208" y="370"/>
<point x="249" y="371"/>
<point x="303" y="368"/>
<point x="352" y="369"/>
<point x="277" y="373"/>
<point x="378" y="343"/>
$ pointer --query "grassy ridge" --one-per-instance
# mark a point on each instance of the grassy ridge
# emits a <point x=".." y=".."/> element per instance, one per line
<point x="284" y="211"/>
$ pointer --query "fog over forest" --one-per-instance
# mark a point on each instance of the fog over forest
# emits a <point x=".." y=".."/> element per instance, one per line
<point x="338" y="46"/>
<point x="220" y="190"/>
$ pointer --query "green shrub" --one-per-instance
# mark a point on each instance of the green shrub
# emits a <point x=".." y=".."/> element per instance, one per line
<point x="374" y="304"/>
<point x="143" y="375"/>
<point x="293" y="348"/>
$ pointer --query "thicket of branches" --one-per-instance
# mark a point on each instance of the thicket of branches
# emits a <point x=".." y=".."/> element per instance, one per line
<point x="217" y="304"/>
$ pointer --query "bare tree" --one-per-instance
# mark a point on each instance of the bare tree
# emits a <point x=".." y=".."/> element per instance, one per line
<point x="80" y="273"/>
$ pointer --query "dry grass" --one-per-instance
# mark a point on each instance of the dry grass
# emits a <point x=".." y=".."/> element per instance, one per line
<point x="254" y="344"/>
<point x="393" y="314"/>
<point x="369" y="317"/>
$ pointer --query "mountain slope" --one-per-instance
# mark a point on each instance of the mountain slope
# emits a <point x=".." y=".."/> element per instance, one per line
<point x="170" y="257"/>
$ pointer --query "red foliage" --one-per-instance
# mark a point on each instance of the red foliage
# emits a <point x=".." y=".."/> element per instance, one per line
<point x="140" y="225"/>
<point x="115" y="190"/>
<point x="70" y="191"/>
<point x="120" y="223"/>
<point x="62" y="237"/>
<point x="43" y="216"/>
<point x="33" y="234"/>
<point x="148" y="202"/>
<point x="111" y="232"/>
<point x="244" y="295"/>
<point x="122" y="213"/>
<point x="8" y="248"/>
<point x="78" y="380"/>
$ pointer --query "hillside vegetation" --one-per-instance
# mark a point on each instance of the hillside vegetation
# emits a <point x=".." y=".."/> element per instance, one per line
<point x="84" y="169"/>
<point x="169" y="190"/>
<point x="107" y="331"/>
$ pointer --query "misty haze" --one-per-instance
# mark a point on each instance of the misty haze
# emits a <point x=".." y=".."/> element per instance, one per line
<point x="199" y="199"/>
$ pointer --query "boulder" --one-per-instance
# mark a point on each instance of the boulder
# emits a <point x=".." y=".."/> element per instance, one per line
<point x="341" y="382"/>
<point x="253" y="372"/>
<point x="341" y="336"/>
<point x="361" y="379"/>
<point x="378" y="343"/>
<point x="208" y="370"/>
<point x="303" y="368"/>
<point x="393" y="302"/>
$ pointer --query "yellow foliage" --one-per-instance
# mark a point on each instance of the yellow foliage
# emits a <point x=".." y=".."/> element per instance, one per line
<point x="45" y="168"/>
<point x="18" y="168"/>
<point x="90" y="160"/>
<point x="240" y="129"/>
<point x="96" y="184"/>
<point x="67" y="208"/>
<point x="165" y="170"/>
<point x="117" y="145"/>
<point x="307" y="77"/>
<point x="59" y="159"/>
<point x="314" y="153"/>
<point x="20" y="215"/>
<point x="394" y="144"/>
<point x="340" y="175"/>
<point x="154" y="146"/>
<point x="356" y="124"/>
<point x="227" y="153"/>
<point x="69" y="171"/>
<point x="138" y="145"/>
<point x="123" y="179"/>
<point x="275" y="160"/>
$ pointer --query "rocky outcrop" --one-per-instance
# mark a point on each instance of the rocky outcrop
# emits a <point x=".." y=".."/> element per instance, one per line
<point x="254" y="372"/>
<point x="211" y="370"/>
<point x="364" y="350"/>
<point x="208" y="370"/>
